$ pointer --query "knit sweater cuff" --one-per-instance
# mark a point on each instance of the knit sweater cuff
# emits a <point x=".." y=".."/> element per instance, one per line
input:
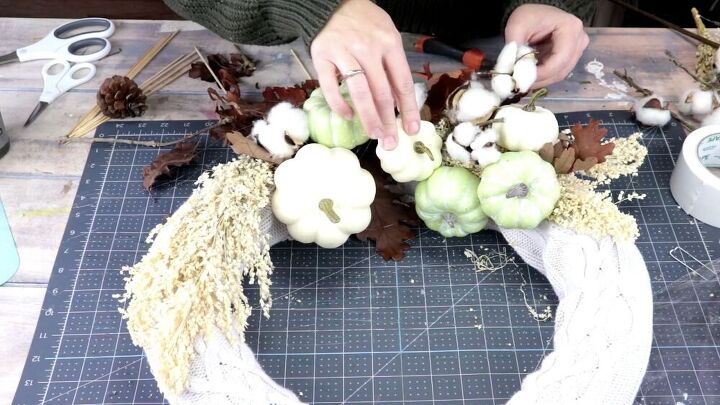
<point x="261" y="22"/>
<point x="303" y="18"/>
<point x="584" y="10"/>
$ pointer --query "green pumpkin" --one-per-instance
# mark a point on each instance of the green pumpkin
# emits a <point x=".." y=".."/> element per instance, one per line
<point x="330" y="129"/>
<point x="519" y="190"/>
<point x="447" y="202"/>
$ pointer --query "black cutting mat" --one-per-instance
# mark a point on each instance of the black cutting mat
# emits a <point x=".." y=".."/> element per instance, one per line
<point x="347" y="326"/>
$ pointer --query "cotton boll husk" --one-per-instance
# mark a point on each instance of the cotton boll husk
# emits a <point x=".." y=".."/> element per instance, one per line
<point x="482" y="153"/>
<point x="456" y="151"/>
<point x="712" y="119"/>
<point x="476" y="103"/>
<point x="292" y="120"/>
<point x="697" y="102"/>
<point x="503" y="85"/>
<point x="272" y="138"/>
<point x="465" y="133"/>
<point x="524" y="74"/>
<point x="506" y="59"/>
<point x="651" y="116"/>
<point x="421" y="91"/>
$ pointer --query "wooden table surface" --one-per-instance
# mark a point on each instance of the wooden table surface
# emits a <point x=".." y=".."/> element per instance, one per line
<point x="39" y="177"/>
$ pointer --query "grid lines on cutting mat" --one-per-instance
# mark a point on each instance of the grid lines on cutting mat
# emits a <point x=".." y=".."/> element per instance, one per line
<point x="348" y="327"/>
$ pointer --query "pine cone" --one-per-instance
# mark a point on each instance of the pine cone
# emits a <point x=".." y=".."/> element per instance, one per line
<point x="120" y="97"/>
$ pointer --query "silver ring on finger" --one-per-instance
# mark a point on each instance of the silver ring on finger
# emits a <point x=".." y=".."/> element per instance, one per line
<point x="351" y="73"/>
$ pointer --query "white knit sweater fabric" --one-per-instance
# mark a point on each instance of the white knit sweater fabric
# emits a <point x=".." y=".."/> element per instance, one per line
<point x="603" y="329"/>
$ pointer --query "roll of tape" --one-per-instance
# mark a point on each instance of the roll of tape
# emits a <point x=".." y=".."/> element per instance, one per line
<point x="695" y="181"/>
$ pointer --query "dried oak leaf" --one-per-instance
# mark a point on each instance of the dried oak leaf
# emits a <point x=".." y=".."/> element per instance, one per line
<point x="243" y="145"/>
<point x="391" y="219"/>
<point x="181" y="155"/>
<point x="440" y="88"/>
<point x="229" y="69"/>
<point x="240" y="113"/>
<point x="295" y="95"/>
<point x="587" y="141"/>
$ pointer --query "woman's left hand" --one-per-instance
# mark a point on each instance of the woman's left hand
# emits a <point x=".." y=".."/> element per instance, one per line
<point x="558" y="36"/>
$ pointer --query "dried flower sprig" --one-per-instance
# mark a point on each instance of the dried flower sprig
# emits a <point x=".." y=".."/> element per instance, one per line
<point x="588" y="211"/>
<point x="190" y="282"/>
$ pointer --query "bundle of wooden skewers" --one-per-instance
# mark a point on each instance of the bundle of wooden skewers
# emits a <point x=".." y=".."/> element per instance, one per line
<point x="176" y="69"/>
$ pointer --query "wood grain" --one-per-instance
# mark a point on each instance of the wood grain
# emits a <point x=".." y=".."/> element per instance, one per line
<point x="39" y="177"/>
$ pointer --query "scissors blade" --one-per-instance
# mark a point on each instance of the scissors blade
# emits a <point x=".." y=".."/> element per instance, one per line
<point x="9" y="58"/>
<point x="40" y="107"/>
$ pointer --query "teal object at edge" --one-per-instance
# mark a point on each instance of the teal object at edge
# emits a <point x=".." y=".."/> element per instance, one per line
<point x="9" y="259"/>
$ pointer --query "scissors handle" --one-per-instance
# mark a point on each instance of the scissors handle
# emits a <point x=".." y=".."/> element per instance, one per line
<point x="59" y="82"/>
<point x="63" y="43"/>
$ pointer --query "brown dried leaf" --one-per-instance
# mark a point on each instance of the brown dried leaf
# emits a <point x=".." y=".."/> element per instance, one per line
<point x="564" y="163"/>
<point x="240" y="113"/>
<point x="582" y="165"/>
<point x="391" y="219"/>
<point x="182" y="154"/>
<point x="547" y="152"/>
<point x="243" y="145"/>
<point x="439" y="89"/>
<point x="228" y="70"/>
<point x="295" y="95"/>
<point x="587" y="141"/>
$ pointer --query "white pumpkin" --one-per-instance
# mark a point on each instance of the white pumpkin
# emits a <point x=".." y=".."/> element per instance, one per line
<point x="415" y="157"/>
<point x="525" y="130"/>
<point x="323" y="195"/>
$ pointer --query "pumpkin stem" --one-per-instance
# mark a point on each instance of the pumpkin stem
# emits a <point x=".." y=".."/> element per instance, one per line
<point x="450" y="219"/>
<point x="519" y="190"/>
<point x="421" y="148"/>
<point x="538" y="94"/>
<point x="326" y="206"/>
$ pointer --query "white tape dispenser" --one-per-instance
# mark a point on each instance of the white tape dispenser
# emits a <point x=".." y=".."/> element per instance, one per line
<point x="695" y="181"/>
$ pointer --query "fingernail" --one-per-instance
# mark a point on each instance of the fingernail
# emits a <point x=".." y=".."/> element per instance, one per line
<point x="348" y="115"/>
<point x="413" y="127"/>
<point x="377" y="133"/>
<point x="389" y="143"/>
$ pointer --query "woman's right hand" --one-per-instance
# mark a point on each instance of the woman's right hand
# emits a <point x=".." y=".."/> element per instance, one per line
<point x="360" y="35"/>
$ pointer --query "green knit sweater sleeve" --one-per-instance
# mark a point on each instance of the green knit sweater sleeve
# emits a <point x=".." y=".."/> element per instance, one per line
<point x="583" y="9"/>
<point x="260" y="22"/>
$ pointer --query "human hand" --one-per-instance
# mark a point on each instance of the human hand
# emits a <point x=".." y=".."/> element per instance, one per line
<point x="558" y="36"/>
<point x="360" y="35"/>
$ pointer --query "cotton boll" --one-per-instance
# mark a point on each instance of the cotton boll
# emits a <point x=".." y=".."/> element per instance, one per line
<point x="456" y="151"/>
<point x="698" y="102"/>
<point x="524" y="74"/>
<point x="712" y="119"/>
<point x="421" y="91"/>
<point x="476" y="103"/>
<point x="465" y="132"/>
<point x="649" y="111"/>
<point x="272" y="138"/>
<point x="484" y="148"/>
<point x="506" y="59"/>
<point x="292" y="120"/>
<point x="503" y="85"/>
<point x="526" y="52"/>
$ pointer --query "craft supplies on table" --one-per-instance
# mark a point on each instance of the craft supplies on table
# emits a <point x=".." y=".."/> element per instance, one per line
<point x="346" y="326"/>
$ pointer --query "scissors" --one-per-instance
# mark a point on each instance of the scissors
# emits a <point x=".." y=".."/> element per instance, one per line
<point x="59" y="82"/>
<point x="64" y="42"/>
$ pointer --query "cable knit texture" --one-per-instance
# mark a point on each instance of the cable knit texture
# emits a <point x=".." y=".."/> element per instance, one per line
<point x="602" y="340"/>
<point x="270" y="22"/>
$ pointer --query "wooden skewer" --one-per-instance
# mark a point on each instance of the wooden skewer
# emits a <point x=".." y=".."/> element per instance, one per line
<point x="181" y="64"/>
<point x="132" y="73"/>
<point x="302" y="65"/>
<point x="668" y="24"/>
<point x="207" y="65"/>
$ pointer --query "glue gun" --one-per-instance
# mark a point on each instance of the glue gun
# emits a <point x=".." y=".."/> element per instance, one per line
<point x="470" y="57"/>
